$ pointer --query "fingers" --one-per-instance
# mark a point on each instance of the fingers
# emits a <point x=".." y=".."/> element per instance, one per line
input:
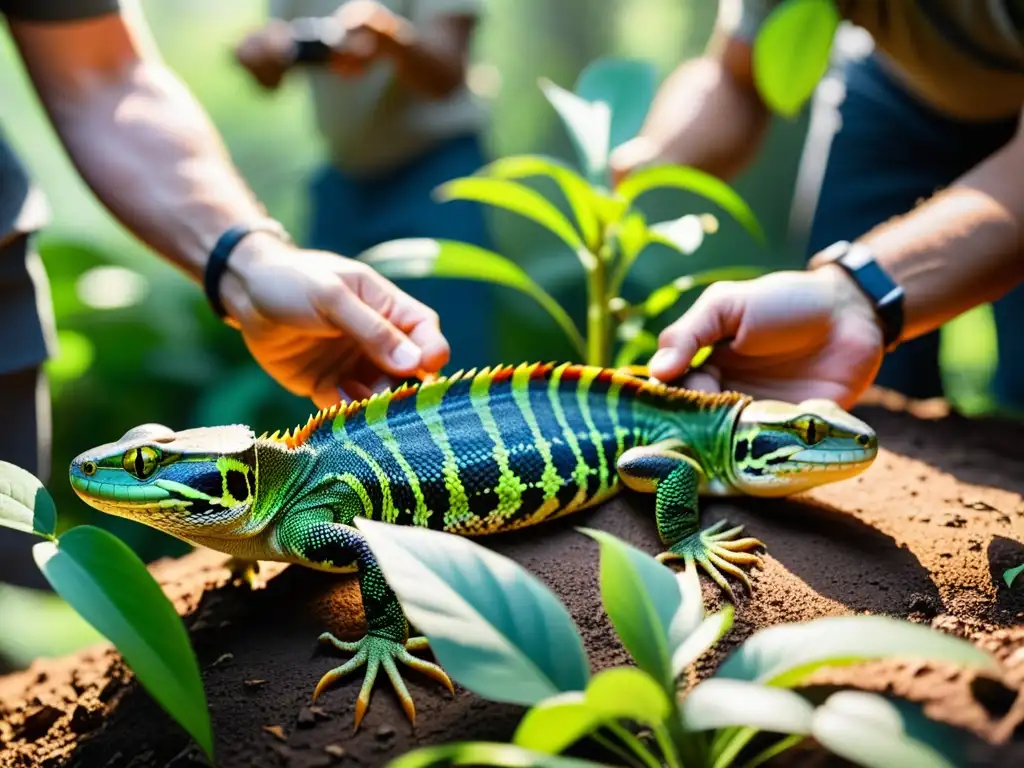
<point x="713" y="318"/>
<point x="413" y="318"/>
<point x="630" y="156"/>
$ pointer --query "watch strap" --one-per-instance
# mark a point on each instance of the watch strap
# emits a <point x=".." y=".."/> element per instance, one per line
<point x="217" y="263"/>
<point x="885" y="293"/>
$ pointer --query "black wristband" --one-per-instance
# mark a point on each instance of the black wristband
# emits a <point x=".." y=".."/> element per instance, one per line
<point x="885" y="293"/>
<point x="313" y="39"/>
<point x="217" y="263"/>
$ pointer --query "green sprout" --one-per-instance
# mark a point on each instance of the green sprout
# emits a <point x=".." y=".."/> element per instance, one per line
<point x="458" y="594"/>
<point x="606" y="231"/>
<point x="110" y="587"/>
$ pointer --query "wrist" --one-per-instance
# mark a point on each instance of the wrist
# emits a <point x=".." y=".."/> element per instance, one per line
<point x="239" y="255"/>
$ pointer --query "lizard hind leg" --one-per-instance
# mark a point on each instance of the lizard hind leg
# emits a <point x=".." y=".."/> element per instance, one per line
<point x="387" y="641"/>
<point x="674" y="478"/>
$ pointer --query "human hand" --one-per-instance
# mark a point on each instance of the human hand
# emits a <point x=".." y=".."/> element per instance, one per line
<point x="266" y="53"/>
<point x="790" y="336"/>
<point x="632" y="155"/>
<point x="368" y="31"/>
<point x="318" y="322"/>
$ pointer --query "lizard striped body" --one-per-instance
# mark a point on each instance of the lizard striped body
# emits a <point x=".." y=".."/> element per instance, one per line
<point x="474" y="453"/>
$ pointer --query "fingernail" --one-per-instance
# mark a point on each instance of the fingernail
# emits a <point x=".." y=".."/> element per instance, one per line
<point x="406" y="355"/>
<point x="664" y="359"/>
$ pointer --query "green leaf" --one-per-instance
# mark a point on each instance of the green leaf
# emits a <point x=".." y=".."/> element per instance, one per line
<point x="515" y="197"/>
<point x="685" y="234"/>
<point x="715" y="704"/>
<point x="706" y="635"/>
<point x="575" y="188"/>
<point x="1010" y="574"/>
<point x="663" y="298"/>
<point x="628" y="693"/>
<point x="627" y="86"/>
<point x="588" y="125"/>
<point x="423" y="257"/>
<point x="680" y="177"/>
<point x="556" y="723"/>
<point x="632" y="235"/>
<point x="25" y="504"/>
<point x="486" y="753"/>
<point x="619" y="693"/>
<point x="787" y="654"/>
<point x="493" y="626"/>
<point x="690" y="614"/>
<point x="109" y="586"/>
<point x="641" y="597"/>
<point x="868" y="731"/>
<point x="641" y="344"/>
<point x="791" y="52"/>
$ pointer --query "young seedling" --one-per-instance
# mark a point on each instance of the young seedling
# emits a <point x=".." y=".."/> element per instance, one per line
<point x="103" y="580"/>
<point x="606" y="231"/>
<point x="459" y="593"/>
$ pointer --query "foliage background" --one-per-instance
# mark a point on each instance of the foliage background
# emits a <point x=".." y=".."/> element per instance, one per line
<point x="138" y="344"/>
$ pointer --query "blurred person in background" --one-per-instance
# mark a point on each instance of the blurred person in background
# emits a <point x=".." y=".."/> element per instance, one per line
<point x="925" y="177"/>
<point x="316" y="322"/>
<point x="388" y="82"/>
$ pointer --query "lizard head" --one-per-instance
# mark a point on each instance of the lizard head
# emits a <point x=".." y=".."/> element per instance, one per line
<point x="197" y="481"/>
<point x="783" y="448"/>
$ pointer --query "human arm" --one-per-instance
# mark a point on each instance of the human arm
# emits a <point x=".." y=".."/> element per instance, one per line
<point x="707" y="114"/>
<point x="429" y="57"/>
<point x="149" y="153"/>
<point x="814" y="333"/>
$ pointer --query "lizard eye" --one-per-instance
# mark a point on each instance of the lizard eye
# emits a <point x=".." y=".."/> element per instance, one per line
<point x="811" y="431"/>
<point x="140" y="462"/>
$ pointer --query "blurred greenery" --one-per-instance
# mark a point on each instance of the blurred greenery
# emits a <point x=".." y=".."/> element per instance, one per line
<point x="137" y="341"/>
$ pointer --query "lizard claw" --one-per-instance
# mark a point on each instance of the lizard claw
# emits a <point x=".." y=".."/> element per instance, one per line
<point x="245" y="571"/>
<point x="714" y="550"/>
<point x="377" y="652"/>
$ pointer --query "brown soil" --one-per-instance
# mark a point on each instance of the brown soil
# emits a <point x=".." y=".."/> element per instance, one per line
<point x="925" y="534"/>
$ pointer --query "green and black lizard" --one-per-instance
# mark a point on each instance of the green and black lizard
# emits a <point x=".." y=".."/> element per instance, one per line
<point x="474" y="453"/>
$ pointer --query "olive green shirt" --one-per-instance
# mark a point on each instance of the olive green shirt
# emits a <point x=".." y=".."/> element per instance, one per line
<point x="963" y="57"/>
<point x="373" y="123"/>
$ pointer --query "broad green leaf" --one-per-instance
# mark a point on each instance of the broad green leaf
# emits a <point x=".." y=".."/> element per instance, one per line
<point x="868" y="731"/>
<point x="627" y="86"/>
<point x="663" y="298"/>
<point x="588" y="125"/>
<point x="575" y="188"/>
<point x="493" y="626"/>
<point x="791" y="52"/>
<point x="684" y="234"/>
<point x="693" y="180"/>
<point x="640" y="596"/>
<point x="628" y="693"/>
<point x="423" y="257"/>
<point x="706" y="635"/>
<point x="109" y="586"/>
<point x="1011" y="574"/>
<point x="515" y="197"/>
<point x="486" y="753"/>
<point x="714" y="704"/>
<point x="690" y="614"/>
<point x="787" y="654"/>
<point x="556" y="723"/>
<point x="641" y="344"/>
<point x="25" y="504"/>
<point x="632" y="235"/>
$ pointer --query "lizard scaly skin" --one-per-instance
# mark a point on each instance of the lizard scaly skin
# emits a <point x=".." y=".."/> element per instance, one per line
<point x="474" y="453"/>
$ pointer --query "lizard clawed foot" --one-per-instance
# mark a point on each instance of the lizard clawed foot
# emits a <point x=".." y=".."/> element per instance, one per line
<point x="714" y="550"/>
<point x="245" y="571"/>
<point x="378" y="652"/>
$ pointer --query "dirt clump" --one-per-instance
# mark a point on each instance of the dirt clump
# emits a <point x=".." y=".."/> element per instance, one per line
<point x="924" y="534"/>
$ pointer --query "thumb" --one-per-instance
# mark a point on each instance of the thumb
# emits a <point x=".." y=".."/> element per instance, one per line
<point x="629" y="156"/>
<point x="714" y="317"/>
<point x="379" y="338"/>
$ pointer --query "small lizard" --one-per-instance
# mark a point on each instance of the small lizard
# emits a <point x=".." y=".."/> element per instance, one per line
<point x="477" y="452"/>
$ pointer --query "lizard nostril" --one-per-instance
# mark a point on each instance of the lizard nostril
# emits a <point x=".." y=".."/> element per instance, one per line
<point x="864" y="440"/>
<point x="88" y="468"/>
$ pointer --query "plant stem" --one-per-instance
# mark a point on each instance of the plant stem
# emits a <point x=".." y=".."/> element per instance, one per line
<point x="618" y="751"/>
<point x="634" y="744"/>
<point x="668" y="749"/>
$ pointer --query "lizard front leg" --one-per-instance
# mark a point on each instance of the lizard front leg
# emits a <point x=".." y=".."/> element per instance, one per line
<point x="329" y="545"/>
<point x="674" y="479"/>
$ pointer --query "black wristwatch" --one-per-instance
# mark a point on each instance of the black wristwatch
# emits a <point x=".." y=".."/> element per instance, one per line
<point x="885" y="293"/>
<point x="313" y="39"/>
